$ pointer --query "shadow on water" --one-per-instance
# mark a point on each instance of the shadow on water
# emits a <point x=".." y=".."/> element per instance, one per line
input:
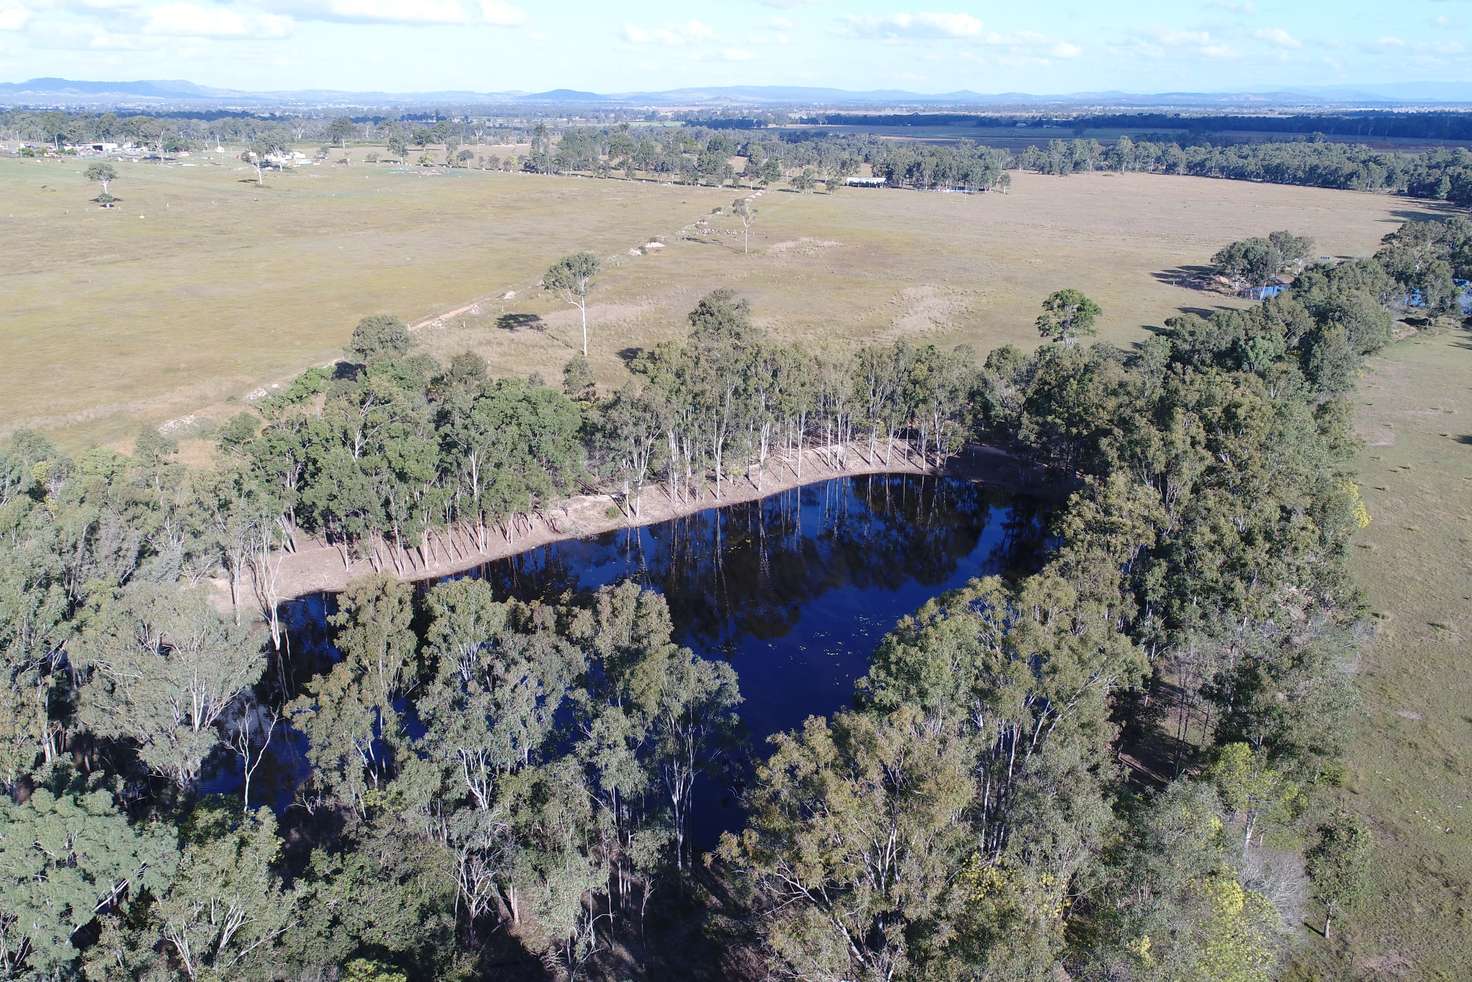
<point x="795" y="590"/>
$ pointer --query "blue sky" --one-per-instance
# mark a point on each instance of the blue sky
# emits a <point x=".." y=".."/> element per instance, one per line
<point x="1040" y="46"/>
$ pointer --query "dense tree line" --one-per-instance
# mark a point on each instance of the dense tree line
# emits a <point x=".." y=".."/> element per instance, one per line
<point x="1443" y="175"/>
<point x="496" y="787"/>
<point x="1194" y="127"/>
<point x="966" y="167"/>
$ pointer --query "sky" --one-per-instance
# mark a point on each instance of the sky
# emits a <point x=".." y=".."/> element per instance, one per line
<point x="1039" y="46"/>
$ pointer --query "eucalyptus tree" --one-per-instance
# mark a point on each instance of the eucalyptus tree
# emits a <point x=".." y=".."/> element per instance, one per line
<point x="628" y="439"/>
<point x="226" y="906"/>
<point x="1172" y="904"/>
<point x="160" y="669"/>
<point x="1067" y="316"/>
<point x="1340" y="865"/>
<point x="500" y="680"/>
<point x="259" y="154"/>
<point x="721" y="344"/>
<point x="510" y="448"/>
<point x="571" y="278"/>
<point x="854" y="832"/>
<point x="1021" y="669"/>
<point x="104" y="174"/>
<point x="935" y="394"/>
<point x="35" y="611"/>
<point x="745" y="212"/>
<point x="67" y="856"/>
<point x="348" y="715"/>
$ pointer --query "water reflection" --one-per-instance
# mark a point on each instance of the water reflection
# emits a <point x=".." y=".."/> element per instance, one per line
<point x="795" y="589"/>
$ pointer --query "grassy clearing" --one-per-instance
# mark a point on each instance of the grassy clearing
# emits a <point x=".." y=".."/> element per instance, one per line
<point x="200" y="286"/>
<point x="1409" y="774"/>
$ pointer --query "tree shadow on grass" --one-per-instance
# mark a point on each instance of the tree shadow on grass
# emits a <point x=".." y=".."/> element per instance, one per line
<point x="1424" y="212"/>
<point x="1187" y="277"/>
<point x="521" y="322"/>
<point x="629" y="355"/>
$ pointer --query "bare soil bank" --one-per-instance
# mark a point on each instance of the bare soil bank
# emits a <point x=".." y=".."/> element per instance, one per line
<point x="317" y="567"/>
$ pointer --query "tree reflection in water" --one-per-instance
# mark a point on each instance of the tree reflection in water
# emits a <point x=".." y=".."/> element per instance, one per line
<point x="796" y="590"/>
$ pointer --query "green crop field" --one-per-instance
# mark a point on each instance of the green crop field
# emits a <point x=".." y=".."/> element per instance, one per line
<point x="201" y="287"/>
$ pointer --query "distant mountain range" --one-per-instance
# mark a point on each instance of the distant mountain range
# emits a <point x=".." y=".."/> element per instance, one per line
<point x="184" y="94"/>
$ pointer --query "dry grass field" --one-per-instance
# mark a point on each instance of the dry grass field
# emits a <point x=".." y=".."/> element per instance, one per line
<point x="200" y="287"/>
<point x="1409" y="772"/>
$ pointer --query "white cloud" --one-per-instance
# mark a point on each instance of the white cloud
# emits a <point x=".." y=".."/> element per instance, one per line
<point x="1064" y="49"/>
<point x="13" y="16"/>
<point x="1169" y="38"/>
<point x="909" y="26"/>
<point x="681" y="34"/>
<point x="1165" y="42"/>
<point x="738" y="54"/>
<point x="500" y="13"/>
<point x="1277" y="36"/>
<point x="211" y="21"/>
<point x="1236" y="6"/>
<point x="1390" y="41"/>
<point x="125" y="42"/>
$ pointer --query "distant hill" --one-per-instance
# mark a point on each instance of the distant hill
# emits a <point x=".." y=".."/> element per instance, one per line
<point x="563" y="95"/>
<point x="181" y="93"/>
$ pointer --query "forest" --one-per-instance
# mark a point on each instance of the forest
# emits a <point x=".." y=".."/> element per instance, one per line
<point x="1110" y="766"/>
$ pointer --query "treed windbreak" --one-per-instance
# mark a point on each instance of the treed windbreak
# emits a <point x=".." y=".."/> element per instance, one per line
<point x="1110" y="767"/>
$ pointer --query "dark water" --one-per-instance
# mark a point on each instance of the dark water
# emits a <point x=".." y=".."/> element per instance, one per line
<point x="795" y="590"/>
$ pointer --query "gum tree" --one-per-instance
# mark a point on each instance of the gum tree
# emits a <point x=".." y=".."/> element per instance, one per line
<point x="571" y="278"/>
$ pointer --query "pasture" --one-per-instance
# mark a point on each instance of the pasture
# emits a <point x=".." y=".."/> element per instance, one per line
<point x="201" y="287"/>
<point x="1408" y="772"/>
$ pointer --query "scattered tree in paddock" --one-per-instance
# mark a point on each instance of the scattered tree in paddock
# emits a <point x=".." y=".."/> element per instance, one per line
<point x="104" y="174"/>
<point x="571" y="278"/>
<point x="378" y="336"/>
<point x="1067" y="316"/>
<point x="258" y="155"/>
<point x="745" y="212"/>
